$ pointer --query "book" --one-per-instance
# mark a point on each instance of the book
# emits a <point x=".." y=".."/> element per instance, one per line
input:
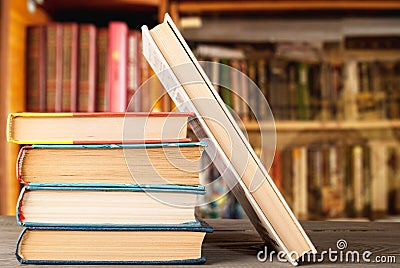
<point x="120" y="164"/>
<point x="69" y="86"/>
<point x="165" y="48"/>
<point x="117" y="65"/>
<point x="87" y="68"/>
<point x="303" y="87"/>
<point x="133" y="71"/>
<point x="36" y="69"/>
<point x="113" y="206"/>
<point x="300" y="182"/>
<point x="53" y="67"/>
<point x="98" y="128"/>
<point x="149" y="245"/>
<point x="102" y="85"/>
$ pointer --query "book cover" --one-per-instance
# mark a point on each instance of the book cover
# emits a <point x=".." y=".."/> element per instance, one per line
<point x="94" y="128"/>
<point x="36" y="69"/>
<point x="54" y="67"/>
<point x="102" y="85"/>
<point x="87" y="68"/>
<point x="117" y="65"/>
<point x="164" y="47"/>
<point x="69" y="67"/>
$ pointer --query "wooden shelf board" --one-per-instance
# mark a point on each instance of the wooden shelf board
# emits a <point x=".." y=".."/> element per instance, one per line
<point x="324" y="125"/>
<point x="60" y="5"/>
<point x="233" y="6"/>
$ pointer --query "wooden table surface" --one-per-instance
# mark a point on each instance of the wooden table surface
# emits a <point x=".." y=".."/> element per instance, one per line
<point x="234" y="243"/>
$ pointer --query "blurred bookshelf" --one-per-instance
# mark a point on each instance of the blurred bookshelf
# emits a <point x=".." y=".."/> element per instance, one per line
<point x="337" y="154"/>
<point x="329" y="70"/>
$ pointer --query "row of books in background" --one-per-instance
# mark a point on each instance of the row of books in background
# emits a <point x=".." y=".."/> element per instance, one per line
<point x="306" y="88"/>
<point x="90" y="198"/>
<point x="325" y="181"/>
<point x="80" y="68"/>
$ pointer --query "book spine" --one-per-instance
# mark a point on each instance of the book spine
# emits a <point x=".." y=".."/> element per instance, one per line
<point x="225" y="88"/>
<point x="117" y="62"/>
<point x="379" y="180"/>
<point x="87" y="68"/>
<point x="133" y="83"/>
<point x="102" y="86"/>
<point x="69" y="67"/>
<point x="300" y="185"/>
<point x="36" y="71"/>
<point x="244" y="109"/>
<point x="303" y="91"/>
<point x="54" y="67"/>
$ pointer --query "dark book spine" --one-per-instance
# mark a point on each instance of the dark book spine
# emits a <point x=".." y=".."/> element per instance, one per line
<point x="69" y="67"/>
<point x="87" y="68"/>
<point x="36" y="71"/>
<point x="133" y="83"/>
<point x="117" y="62"/>
<point x="54" y="67"/>
<point x="102" y="86"/>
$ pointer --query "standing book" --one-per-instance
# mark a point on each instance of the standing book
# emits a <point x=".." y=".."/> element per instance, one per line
<point x="36" y="71"/>
<point x="165" y="48"/>
<point x="69" y="67"/>
<point x="117" y="65"/>
<point x="87" y="68"/>
<point x="53" y="67"/>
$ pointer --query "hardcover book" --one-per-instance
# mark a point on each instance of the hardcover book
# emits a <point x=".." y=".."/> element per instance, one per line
<point x="113" y="164"/>
<point x="165" y="48"/>
<point x="87" y="68"/>
<point x="53" y="67"/>
<point x="142" y="245"/>
<point x="113" y="206"/>
<point x="117" y="65"/>
<point x="69" y="67"/>
<point x="36" y="69"/>
<point x="96" y="128"/>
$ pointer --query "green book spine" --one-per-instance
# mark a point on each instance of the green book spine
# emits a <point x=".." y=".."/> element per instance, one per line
<point x="303" y="92"/>
<point x="225" y="80"/>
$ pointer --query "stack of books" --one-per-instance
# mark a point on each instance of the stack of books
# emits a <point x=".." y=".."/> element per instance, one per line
<point x="107" y="188"/>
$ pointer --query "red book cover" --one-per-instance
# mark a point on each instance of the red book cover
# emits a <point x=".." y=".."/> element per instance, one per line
<point x="87" y="68"/>
<point x="102" y="86"/>
<point x="53" y="67"/>
<point x="134" y="56"/>
<point x="117" y="62"/>
<point x="69" y="67"/>
<point x="36" y="70"/>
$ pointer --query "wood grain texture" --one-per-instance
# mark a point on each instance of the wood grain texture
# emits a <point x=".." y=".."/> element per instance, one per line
<point x="284" y="5"/>
<point x="15" y="18"/>
<point x="235" y="243"/>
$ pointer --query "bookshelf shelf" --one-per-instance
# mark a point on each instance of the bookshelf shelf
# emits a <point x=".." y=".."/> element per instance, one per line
<point x="324" y="125"/>
<point x="233" y="6"/>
